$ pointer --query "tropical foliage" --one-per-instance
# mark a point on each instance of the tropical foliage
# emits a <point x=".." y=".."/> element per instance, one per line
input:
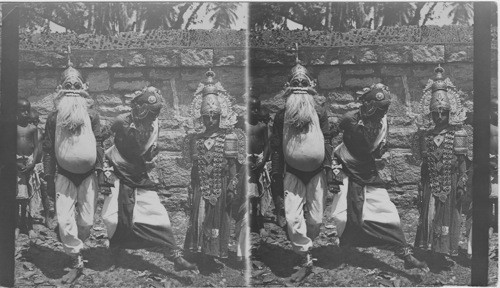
<point x="343" y="16"/>
<point x="109" y="18"/>
<point x="461" y="12"/>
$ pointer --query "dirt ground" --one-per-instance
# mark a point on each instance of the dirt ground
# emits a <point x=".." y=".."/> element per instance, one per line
<point x="273" y="262"/>
<point x="41" y="262"/>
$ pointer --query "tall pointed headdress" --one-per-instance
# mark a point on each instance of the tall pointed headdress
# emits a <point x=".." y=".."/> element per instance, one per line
<point x="441" y="94"/>
<point x="299" y="75"/>
<point x="210" y="105"/>
<point x="70" y="74"/>
<point x="71" y="83"/>
<point x="211" y="98"/>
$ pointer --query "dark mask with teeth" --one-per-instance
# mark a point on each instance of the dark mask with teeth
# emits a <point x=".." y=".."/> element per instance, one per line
<point x="375" y="101"/>
<point x="72" y="84"/>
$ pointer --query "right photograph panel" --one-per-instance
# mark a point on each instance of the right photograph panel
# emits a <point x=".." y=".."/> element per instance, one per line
<point x="360" y="143"/>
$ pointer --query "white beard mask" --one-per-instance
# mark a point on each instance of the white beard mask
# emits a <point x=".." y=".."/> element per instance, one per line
<point x="72" y="112"/>
<point x="299" y="110"/>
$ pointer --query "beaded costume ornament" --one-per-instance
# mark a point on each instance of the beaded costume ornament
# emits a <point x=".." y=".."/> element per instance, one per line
<point x="210" y="152"/>
<point x="440" y="149"/>
<point x="211" y="99"/>
<point x="441" y="94"/>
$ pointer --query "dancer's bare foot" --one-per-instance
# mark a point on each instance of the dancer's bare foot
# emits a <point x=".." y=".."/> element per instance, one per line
<point x="442" y="260"/>
<point x="32" y="236"/>
<point x="46" y="221"/>
<point x="301" y="274"/>
<point x="263" y="233"/>
<point x="182" y="264"/>
<point x="412" y="262"/>
<point x="281" y="218"/>
<point x="71" y="276"/>
<point x="75" y="272"/>
<point x="218" y="263"/>
<point x="304" y="270"/>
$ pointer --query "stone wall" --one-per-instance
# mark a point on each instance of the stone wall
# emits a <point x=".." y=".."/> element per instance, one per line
<point x="403" y="58"/>
<point x="114" y="67"/>
<point x="174" y="61"/>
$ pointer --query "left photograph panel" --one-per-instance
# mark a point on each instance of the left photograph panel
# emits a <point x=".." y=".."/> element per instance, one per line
<point x="131" y="144"/>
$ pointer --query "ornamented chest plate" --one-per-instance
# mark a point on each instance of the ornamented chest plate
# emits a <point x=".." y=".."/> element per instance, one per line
<point x="439" y="161"/>
<point x="209" y="143"/>
<point x="210" y="166"/>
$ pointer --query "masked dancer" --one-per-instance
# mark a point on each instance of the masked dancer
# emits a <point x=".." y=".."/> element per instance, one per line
<point x="133" y="213"/>
<point x="215" y="156"/>
<point x="443" y="149"/>
<point x="72" y="159"/>
<point x="298" y="141"/>
<point x="362" y="210"/>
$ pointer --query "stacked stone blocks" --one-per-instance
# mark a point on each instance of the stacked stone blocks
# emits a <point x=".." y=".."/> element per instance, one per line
<point x="112" y="74"/>
<point x="343" y="63"/>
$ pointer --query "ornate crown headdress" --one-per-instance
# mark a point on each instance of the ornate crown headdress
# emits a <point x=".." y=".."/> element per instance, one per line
<point x="71" y="83"/>
<point x="210" y="104"/>
<point x="299" y="71"/>
<point x="71" y="72"/>
<point x="433" y="99"/>
<point x="211" y="98"/>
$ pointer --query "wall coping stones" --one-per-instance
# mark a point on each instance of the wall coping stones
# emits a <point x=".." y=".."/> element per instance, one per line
<point x="402" y="35"/>
<point x="134" y="58"/>
<point x="58" y="42"/>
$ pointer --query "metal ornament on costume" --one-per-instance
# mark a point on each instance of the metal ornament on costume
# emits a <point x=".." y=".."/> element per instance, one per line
<point x="212" y="99"/>
<point x="231" y="145"/>
<point x="441" y="95"/>
<point x="145" y="102"/>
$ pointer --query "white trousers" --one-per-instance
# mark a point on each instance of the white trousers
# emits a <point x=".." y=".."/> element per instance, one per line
<point x="311" y="196"/>
<point x="74" y="227"/>
<point x="109" y="211"/>
<point x="242" y="246"/>
<point x="339" y="207"/>
<point x="148" y="210"/>
<point x="377" y="207"/>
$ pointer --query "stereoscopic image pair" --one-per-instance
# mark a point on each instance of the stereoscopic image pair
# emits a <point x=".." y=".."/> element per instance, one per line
<point x="214" y="144"/>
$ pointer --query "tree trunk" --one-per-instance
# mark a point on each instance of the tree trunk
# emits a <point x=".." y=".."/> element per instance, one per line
<point x="328" y="18"/>
<point x="192" y="16"/>
<point x="180" y="16"/>
<point x="429" y="13"/>
<point x="416" y="18"/>
<point x="92" y="19"/>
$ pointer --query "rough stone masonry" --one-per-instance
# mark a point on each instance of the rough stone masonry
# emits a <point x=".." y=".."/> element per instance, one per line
<point x="403" y="58"/>
<point x="173" y="61"/>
